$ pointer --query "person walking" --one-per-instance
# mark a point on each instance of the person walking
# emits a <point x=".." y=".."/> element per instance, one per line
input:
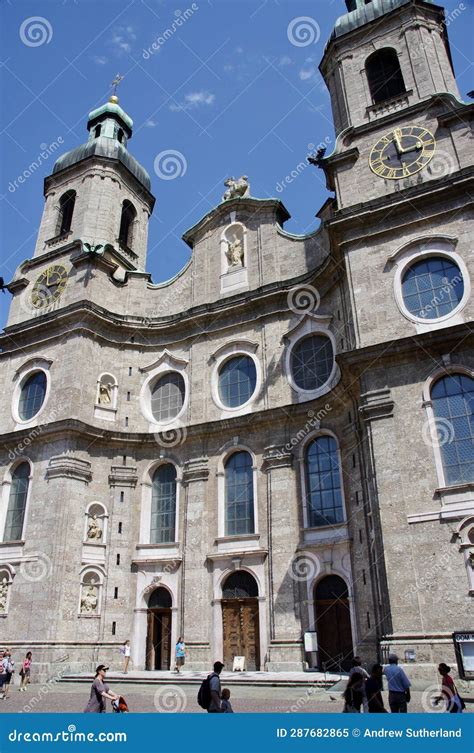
<point x="3" y="675"/>
<point x="354" y="694"/>
<point x="126" y="651"/>
<point x="373" y="691"/>
<point x="215" y="688"/>
<point x="454" y="702"/>
<point x="25" y="672"/>
<point x="180" y="654"/>
<point x="398" y="686"/>
<point x="356" y="666"/>
<point x="99" y="692"/>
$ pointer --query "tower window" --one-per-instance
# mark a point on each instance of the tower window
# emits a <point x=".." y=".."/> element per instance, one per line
<point x="126" y="223"/>
<point x="120" y="135"/>
<point x="97" y="131"/>
<point x="384" y="75"/>
<point x="66" y="210"/>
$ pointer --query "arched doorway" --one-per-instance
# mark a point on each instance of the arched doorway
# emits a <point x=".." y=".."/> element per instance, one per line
<point x="158" y="639"/>
<point x="240" y="619"/>
<point x="333" y="623"/>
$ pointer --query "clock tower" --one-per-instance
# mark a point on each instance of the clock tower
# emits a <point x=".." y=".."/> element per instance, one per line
<point x="402" y="176"/>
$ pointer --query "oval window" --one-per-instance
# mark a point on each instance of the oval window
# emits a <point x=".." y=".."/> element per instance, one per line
<point x="32" y="396"/>
<point x="312" y="361"/>
<point x="167" y="397"/>
<point x="237" y="381"/>
<point x="432" y="288"/>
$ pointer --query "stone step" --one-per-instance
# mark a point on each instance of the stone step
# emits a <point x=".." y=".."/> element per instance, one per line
<point x="263" y="679"/>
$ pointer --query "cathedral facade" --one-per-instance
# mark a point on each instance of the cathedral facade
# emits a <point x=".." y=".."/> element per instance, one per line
<point x="271" y="454"/>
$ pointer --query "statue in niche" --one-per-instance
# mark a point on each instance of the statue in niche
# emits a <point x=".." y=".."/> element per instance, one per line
<point x="3" y="595"/>
<point x="235" y="251"/>
<point x="236" y="188"/>
<point x="94" y="530"/>
<point x="105" y="393"/>
<point x="89" y="599"/>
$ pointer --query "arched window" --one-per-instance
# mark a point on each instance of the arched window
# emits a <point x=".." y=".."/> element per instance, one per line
<point x="160" y="598"/>
<point x="239" y="585"/>
<point x="384" y="75"/>
<point x="127" y="219"/>
<point x="432" y="287"/>
<point x="17" y="503"/>
<point x="97" y="131"/>
<point x="452" y="399"/>
<point x="239" y="512"/>
<point x="323" y="483"/>
<point x="66" y="210"/>
<point x="163" y="505"/>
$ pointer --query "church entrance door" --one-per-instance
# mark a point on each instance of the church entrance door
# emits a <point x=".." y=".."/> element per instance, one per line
<point x="240" y="620"/>
<point x="158" y="648"/>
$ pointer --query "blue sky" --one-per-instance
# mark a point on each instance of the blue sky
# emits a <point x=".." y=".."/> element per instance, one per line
<point x="228" y="90"/>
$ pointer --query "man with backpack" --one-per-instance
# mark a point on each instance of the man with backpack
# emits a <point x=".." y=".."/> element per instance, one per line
<point x="209" y="696"/>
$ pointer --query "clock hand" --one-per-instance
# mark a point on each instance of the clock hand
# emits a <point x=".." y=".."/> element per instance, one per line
<point x="397" y="133"/>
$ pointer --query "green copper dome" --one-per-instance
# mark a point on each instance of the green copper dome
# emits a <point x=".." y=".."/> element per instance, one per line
<point x="109" y="130"/>
<point x="363" y="13"/>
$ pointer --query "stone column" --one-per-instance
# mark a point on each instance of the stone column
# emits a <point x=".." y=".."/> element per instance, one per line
<point x="196" y="580"/>
<point x="285" y="650"/>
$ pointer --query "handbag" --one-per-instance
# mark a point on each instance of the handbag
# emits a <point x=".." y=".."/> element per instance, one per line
<point x="461" y="700"/>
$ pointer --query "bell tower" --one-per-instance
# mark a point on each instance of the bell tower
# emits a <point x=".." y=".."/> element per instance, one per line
<point x="386" y="55"/>
<point x="99" y="194"/>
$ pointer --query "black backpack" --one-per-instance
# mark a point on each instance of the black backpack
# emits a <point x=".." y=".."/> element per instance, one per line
<point x="204" y="693"/>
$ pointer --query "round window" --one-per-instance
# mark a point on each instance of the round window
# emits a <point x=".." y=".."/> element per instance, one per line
<point x="312" y="361"/>
<point x="32" y="396"/>
<point x="167" y="396"/>
<point x="432" y="288"/>
<point x="237" y="381"/>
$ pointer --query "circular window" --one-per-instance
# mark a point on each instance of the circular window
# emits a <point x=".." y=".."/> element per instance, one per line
<point x="432" y="288"/>
<point x="167" y="396"/>
<point x="312" y="361"/>
<point x="237" y="381"/>
<point x="32" y="396"/>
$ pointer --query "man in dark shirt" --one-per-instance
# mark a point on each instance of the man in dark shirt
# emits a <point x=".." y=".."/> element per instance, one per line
<point x="373" y="689"/>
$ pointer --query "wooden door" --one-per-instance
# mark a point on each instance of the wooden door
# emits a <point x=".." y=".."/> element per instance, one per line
<point x="158" y="648"/>
<point x="241" y="633"/>
<point x="333" y="625"/>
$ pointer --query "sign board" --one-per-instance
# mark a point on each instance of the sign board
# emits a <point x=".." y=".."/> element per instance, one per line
<point x="239" y="664"/>
<point x="310" y="642"/>
<point x="464" y="649"/>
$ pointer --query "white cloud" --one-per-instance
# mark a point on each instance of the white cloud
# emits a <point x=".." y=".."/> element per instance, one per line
<point x="100" y="59"/>
<point x="285" y="60"/>
<point x="193" y="100"/>
<point x="122" y="39"/>
<point x="150" y="123"/>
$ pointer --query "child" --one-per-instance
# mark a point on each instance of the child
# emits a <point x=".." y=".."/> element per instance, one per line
<point x="226" y="706"/>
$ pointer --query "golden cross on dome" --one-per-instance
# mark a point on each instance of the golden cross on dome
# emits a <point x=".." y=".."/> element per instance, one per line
<point x="118" y="78"/>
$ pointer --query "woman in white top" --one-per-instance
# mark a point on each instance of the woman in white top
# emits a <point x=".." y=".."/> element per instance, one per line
<point x="125" y="650"/>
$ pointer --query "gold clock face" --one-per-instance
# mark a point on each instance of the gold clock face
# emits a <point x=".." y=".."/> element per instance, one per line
<point x="402" y="152"/>
<point x="49" y="286"/>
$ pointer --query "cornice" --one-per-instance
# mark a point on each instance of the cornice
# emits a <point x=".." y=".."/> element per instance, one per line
<point x="67" y="466"/>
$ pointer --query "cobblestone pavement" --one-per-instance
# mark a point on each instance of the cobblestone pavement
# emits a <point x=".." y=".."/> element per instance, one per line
<point x="72" y="698"/>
